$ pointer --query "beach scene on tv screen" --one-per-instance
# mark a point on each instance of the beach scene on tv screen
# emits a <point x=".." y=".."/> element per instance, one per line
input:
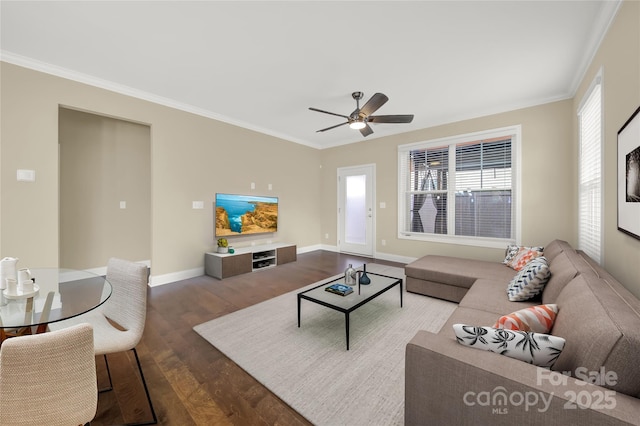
<point x="245" y="214"/>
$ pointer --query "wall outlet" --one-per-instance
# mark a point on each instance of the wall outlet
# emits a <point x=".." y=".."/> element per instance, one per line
<point x="383" y="242"/>
<point x="326" y="236"/>
<point x="123" y="204"/>
<point x="26" y="175"/>
<point x="383" y="205"/>
<point x="253" y="185"/>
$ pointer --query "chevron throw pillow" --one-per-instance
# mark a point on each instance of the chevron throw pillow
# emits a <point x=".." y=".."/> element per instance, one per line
<point x="529" y="281"/>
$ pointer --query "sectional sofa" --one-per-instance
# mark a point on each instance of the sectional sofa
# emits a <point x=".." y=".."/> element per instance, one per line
<point x="594" y="380"/>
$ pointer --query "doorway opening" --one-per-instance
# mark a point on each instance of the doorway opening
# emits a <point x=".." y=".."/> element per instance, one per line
<point x="104" y="190"/>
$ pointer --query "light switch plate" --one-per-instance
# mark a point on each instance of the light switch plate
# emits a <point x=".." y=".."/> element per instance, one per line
<point x="198" y="204"/>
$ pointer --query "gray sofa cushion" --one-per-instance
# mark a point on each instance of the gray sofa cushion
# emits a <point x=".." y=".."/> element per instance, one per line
<point x="556" y="247"/>
<point x="441" y="291"/>
<point x="491" y="296"/>
<point x="564" y="267"/>
<point x="469" y="316"/>
<point x="456" y="271"/>
<point x="440" y="269"/>
<point x="601" y="324"/>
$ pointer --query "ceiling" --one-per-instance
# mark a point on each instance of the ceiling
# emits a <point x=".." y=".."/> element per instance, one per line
<point x="262" y="64"/>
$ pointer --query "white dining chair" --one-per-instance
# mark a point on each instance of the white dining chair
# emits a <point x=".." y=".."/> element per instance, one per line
<point x="127" y="307"/>
<point x="49" y="378"/>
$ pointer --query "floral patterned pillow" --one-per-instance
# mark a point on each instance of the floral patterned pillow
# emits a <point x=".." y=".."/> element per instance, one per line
<point x="534" y="348"/>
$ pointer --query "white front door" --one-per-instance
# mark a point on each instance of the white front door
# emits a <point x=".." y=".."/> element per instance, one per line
<point x="356" y="189"/>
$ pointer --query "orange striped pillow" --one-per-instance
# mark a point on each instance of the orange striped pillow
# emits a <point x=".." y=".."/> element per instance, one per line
<point x="538" y="319"/>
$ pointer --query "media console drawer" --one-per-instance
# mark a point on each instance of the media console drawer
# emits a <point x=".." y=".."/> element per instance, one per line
<point x="248" y="259"/>
<point x="286" y="254"/>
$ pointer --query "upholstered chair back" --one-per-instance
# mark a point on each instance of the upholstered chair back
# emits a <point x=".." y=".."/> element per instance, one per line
<point x="49" y="379"/>
<point x="127" y="305"/>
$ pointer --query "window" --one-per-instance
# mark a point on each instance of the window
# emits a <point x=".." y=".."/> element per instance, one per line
<point x="460" y="189"/>
<point x="590" y="172"/>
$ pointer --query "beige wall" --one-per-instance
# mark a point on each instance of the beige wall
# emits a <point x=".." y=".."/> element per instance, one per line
<point x="103" y="161"/>
<point x="192" y="158"/>
<point x="547" y="179"/>
<point x="619" y="59"/>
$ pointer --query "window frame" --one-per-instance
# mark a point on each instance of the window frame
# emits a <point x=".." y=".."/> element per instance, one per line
<point x="515" y="132"/>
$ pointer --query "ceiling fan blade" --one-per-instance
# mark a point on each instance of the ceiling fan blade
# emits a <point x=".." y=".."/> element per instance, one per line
<point x="332" y="127"/>
<point x="373" y="104"/>
<point x="366" y="130"/>
<point x="390" y="118"/>
<point x="327" y="112"/>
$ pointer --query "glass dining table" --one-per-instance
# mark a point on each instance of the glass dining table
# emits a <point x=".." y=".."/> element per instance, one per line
<point x="57" y="294"/>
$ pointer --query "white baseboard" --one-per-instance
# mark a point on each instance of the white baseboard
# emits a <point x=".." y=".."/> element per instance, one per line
<point x="156" y="280"/>
<point x="377" y="255"/>
<point x="103" y="269"/>
<point x="308" y="249"/>
<point x="394" y="257"/>
<point x="317" y="247"/>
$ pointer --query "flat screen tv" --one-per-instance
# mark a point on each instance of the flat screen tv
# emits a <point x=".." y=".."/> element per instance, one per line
<point x="245" y="214"/>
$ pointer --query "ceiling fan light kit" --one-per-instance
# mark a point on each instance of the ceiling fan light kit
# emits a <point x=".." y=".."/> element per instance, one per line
<point x="357" y="125"/>
<point x="360" y="118"/>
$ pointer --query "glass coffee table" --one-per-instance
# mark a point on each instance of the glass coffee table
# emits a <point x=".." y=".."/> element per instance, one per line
<point x="361" y="295"/>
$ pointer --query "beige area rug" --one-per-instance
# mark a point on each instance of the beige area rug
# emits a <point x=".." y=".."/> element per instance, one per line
<point x="309" y="367"/>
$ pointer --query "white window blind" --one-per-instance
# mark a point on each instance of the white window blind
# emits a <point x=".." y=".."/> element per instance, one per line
<point x="461" y="188"/>
<point x="483" y="189"/>
<point x="590" y="174"/>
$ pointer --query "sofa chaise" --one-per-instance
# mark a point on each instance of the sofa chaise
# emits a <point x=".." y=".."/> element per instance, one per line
<point x="594" y="380"/>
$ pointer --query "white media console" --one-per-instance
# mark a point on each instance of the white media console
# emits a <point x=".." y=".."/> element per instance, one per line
<point x="248" y="259"/>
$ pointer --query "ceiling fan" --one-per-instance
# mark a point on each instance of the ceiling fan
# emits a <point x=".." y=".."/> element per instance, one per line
<point x="361" y="117"/>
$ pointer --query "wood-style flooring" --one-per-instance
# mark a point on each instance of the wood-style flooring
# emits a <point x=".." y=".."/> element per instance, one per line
<point x="190" y="381"/>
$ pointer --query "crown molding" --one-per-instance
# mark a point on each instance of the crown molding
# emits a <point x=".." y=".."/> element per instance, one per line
<point x="608" y="13"/>
<point x="25" y="62"/>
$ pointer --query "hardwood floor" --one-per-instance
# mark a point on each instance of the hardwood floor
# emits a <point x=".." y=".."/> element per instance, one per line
<point x="190" y="381"/>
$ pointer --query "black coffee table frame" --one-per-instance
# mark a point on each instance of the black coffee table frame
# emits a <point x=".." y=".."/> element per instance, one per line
<point x="349" y="303"/>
